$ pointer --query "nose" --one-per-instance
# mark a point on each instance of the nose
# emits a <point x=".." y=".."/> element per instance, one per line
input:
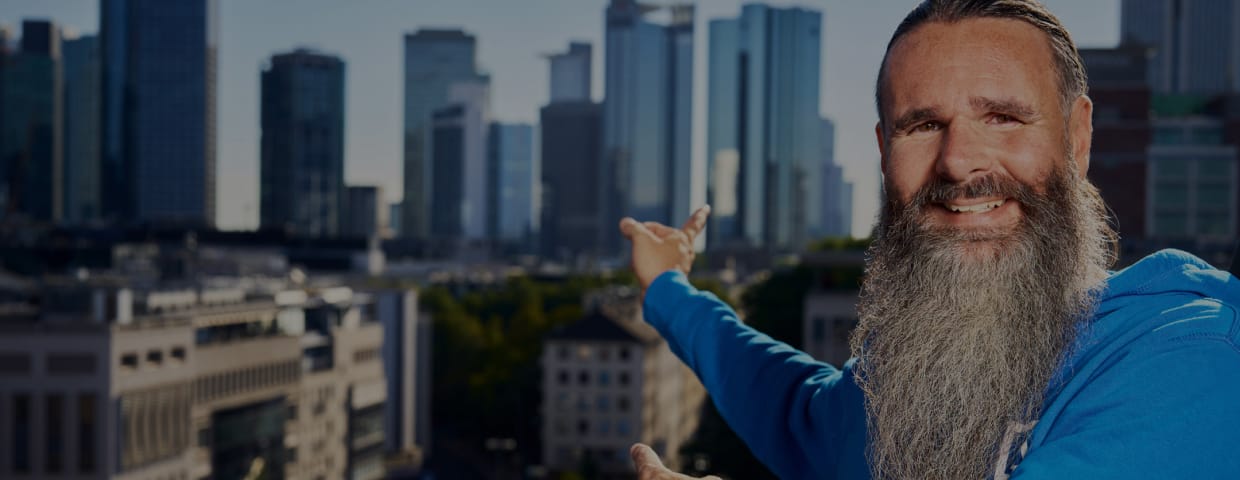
<point x="963" y="154"/>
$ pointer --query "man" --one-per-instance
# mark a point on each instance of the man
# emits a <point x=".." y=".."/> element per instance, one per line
<point x="993" y="342"/>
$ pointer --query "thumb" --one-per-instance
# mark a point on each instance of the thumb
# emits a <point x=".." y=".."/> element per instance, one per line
<point x="645" y="458"/>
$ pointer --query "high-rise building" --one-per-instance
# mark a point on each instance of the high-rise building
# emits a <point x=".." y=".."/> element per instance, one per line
<point x="31" y="143"/>
<point x="571" y="73"/>
<point x="1122" y="133"/>
<point x="81" y="129"/>
<point x="302" y="144"/>
<point x="159" y="71"/>
<point x="458" y="163"/>
<point x="406" y="365"/>
<point x="363" y="212"/>
<point x="1195" y="43"/>
<point x="763" y="129"/>
<point x="434" y="61"/>
<point x="647" y="116"/>
<point x="570" y="211"/>
<point x="515" y="178"/>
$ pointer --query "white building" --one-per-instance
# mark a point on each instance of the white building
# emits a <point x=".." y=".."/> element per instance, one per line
<point x="113" y="381"/>
<point x="610" y="381"/>
<point x="830" y="310"/>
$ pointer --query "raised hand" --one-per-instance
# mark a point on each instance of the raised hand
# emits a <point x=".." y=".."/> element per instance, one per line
<point x="658" y="248"/>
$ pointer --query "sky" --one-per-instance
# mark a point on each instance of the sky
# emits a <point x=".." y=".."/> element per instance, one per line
<point x="512" y="38"/>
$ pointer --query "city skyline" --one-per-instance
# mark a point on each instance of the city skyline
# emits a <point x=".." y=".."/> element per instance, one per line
<point x="854" y="37"/>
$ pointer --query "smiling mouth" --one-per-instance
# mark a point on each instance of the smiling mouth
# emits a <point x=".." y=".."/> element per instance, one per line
<point x="975" y="208"/>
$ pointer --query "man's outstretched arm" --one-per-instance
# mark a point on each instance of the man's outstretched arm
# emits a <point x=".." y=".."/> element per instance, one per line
<point x="801" y="417"/>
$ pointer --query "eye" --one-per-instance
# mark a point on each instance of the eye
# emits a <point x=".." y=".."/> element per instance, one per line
<point x="930" y="126"/>
<point x="1000" y="118"/>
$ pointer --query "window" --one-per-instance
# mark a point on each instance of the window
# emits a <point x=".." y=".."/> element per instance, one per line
<point x="624" y="378"/>
<point x="622" y="427"/>
<point x="583" y="352"/>
<point x="55" y="433"/>
<point x="130" y="361"/>
<point x="622" y="404"/>
<point x="21" y="433"/>
<point x="583" y="427"/>
<point x="86" y="432"/>
<point x="624" y="353"/>
<point x="70" y="364"/>
<point x="562" y="352"/>
<point x="604" y="354"/>
<point x="583" y="378"/>
<point x="604" y="378"/>
<point x="155" y="357"/>
<point x="603" y="403"/>
<point x="178" y="354"/>
<point x="563" y="377"/>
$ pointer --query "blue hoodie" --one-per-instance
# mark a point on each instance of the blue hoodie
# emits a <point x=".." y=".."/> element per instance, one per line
<point x="1152" y="390"/>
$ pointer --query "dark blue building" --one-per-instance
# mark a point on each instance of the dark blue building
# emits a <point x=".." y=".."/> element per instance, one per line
<point x="30" y="124"/>
<point x="158" y="141"/>
<point x="302" y="174"/>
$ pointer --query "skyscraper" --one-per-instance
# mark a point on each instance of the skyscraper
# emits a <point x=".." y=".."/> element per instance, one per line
<point x="763" y="126"/>
<point x="81" y="129"/>
<point x="1195" y="43"/>
<point x="458" y="163"/>
<point x="514" y="177"/>
<point x="159" y="70"/>
<point x="647" y="115"/>
<point x="570" y="73"/>
<point x="834" y="194"/>
<point x="363" y="212"/>
<point x="434" y="61"/>
<point x="570" y="136"/>
<point x="302" y="146"/>
<point x="31" y="158"/>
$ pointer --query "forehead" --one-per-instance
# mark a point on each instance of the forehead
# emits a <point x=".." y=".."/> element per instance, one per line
<point x="978" y="56"/>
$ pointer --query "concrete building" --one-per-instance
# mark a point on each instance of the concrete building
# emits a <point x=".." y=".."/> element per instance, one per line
<point x="214" y="380"/>
<point x="302" y="144"/>
<point x="159" y="84"/>
<point x="609" y="381"/>
<point x="407" y="367"/>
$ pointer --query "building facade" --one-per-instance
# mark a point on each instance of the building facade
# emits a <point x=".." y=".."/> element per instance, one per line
<point x="111" y="380"/>
<point x="571" y="73"/>
<point x="610" y="381"/>
<point x="763" y="153"/>
<point x="434" y="61"/>
<point x="647" y="116"/>
<point x="159" y="84"/>
<point x="31" y="135"/>
<point x="514" y="187"/>
<point x="82" y="115"/>
<point x="570" y="135"/>
<point x="302" y="144"/>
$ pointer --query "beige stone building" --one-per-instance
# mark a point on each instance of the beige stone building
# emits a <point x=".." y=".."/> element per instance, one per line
<point x="610" y="381"/>
<point x="109" y="380"/>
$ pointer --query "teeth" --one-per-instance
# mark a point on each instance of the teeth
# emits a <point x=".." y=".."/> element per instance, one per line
<point x="979" y="208"/>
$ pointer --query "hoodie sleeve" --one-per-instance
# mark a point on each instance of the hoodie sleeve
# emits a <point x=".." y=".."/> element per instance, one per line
<point x="799" y="416"/>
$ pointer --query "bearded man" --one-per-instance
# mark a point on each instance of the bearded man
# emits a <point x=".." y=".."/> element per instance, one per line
<point x="993" y="341"/>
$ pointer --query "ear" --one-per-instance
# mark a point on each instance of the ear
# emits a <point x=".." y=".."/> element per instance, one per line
<point x="882" y="146"/>
<point x="1081" y="132"/>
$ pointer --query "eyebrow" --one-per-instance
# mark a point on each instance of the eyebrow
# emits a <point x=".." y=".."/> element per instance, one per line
<point x="1006" y="106"/>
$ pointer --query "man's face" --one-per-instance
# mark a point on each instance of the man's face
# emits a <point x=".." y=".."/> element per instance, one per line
<point x="969" y="100"/>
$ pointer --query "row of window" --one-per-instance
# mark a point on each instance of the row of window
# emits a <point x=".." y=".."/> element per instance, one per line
<point x="603" y="378"/>
<point x="229" y="383"/>
<point x="60" y="437"/>
<point x="154" y="358"/>
<point x="598" y="429"/>
<point x="602" y="403"/>
<point x="601" y="353"/>
<point x="22" y="364"/>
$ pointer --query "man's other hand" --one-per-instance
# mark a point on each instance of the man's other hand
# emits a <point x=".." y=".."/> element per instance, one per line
<point x="649" y="467"/>
<point x="658" y="248"/>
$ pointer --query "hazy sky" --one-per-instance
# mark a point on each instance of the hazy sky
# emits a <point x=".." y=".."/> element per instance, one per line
<point x="512" y="37"/>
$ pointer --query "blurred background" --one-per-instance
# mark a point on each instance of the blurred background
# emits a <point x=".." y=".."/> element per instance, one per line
<point x="324" y="239"/>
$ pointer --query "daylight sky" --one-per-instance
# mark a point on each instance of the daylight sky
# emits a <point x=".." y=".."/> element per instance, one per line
<point x="512" y="37"/>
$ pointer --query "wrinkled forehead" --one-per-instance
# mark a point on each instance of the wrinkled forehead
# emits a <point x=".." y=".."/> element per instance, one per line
<point x="1005" y="55"/>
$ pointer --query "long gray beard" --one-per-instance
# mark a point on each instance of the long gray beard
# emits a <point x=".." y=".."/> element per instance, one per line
<point x="958" y="339"/>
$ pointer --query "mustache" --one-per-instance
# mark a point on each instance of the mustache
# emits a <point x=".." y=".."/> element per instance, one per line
<point x="939" y="190"/>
